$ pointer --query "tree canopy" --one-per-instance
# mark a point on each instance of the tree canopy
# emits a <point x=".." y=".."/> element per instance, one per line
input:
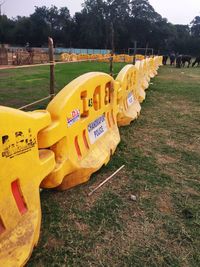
<point x="133" y="20"/>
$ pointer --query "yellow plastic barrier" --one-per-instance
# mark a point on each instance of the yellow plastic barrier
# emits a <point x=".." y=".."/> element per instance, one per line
<point x="139" y="57"/>
<point x="101" y="58"/>
<point x="129" y="106"/>
<point x="84" y="131"/>
<point x="152" y="67"/>
<point x="156" y="64"/>
<point x="160" y="60"/>
<point x="23" y="167"/>
<point x="63" y="146"/>
<point x="68" y="57"/>
<point x="140" y="78"/>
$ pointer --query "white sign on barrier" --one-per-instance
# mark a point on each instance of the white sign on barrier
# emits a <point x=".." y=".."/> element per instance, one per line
<point x="130" y="99"/>
<point x="97" y="129"/>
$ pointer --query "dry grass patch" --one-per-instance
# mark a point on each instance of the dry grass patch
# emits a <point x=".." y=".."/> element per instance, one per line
<point x="164" y="203"/>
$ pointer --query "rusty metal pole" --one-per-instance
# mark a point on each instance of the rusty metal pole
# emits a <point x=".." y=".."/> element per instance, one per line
<point x="113" y="48"/>
<point x="52" y="68"/>
<point x="146" y="49"/>
<point x="135" y="51"/>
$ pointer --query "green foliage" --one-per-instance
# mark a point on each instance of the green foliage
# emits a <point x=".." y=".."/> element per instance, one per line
<point x="91" y="28"/>
<point x="195" y="27"/>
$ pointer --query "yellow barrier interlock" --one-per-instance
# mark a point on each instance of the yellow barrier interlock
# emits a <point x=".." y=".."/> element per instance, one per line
<point x="158" y="61"/>
<point x="23" y="167"/>
<point x="146" y="76"/>
<point x="140" y="76"/>
<point x="129" y="106"/>
<point x="84" y="132"/>
<point x="156" y="64"/>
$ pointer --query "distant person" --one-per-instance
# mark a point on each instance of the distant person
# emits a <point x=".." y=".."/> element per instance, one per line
<point x="31" y="53"/>
<point x="165" y="58"/>
<point x="178" y="60"/>
<point x="172" y="58"/>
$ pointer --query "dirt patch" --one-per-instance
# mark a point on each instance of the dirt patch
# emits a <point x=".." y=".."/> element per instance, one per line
<point x="145" y="138"/>
<point x="164" y="203"/>
<point x="172" y="77"/>
<point x="193" y="77"/>
<point x="190" y="191"/>
<point x="53" y="242"/>
<point x="183" y="107"/>
<point x="185" y="146"/>
<point x="145" y="194"/>
<point x="165" y="159"/>
<point x="170" y="142"/>
<point x="82" y="227"/>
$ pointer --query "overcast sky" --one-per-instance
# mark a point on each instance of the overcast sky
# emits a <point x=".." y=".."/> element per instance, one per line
<point x="176" y="11"/>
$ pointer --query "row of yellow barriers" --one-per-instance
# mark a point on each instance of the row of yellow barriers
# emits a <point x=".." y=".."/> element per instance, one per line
<point x="61" y="147"/>
<point x="99" y="57"/>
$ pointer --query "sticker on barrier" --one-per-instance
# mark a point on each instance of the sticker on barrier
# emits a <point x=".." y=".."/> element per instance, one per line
<point x="90" y="136"/>
<point x="97" y="129"/>
<point x="20" y="214"/>
<point x="128" y="95"/>
<point x="130" y="99"/>
<point x="75" y="116"/>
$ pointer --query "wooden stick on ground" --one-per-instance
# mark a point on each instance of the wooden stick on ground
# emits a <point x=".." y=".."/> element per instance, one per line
<point x="101" y="184"/>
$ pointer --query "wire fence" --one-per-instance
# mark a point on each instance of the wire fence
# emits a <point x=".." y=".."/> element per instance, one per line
<point x="50" y="64"/>
<point x="28" y="86"/>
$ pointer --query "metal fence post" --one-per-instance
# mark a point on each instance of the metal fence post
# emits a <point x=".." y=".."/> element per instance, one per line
<point x="112" y="52"/>
<point x="52" y="68"/>
<point x="135" y="51"/>
<point x="146" y="49"/>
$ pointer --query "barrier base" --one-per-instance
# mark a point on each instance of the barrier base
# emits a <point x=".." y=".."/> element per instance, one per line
<point x="16" y="246"/>
<point x="130" y="115"/>
<point x="98" y="156"/>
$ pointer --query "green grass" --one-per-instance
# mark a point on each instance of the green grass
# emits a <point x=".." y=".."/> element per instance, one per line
<point x="161" y="153"/>
<point x="19" y="87"/>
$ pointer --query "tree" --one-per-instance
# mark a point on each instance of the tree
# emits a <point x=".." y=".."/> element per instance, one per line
<point x="6" y="30"/>
<point x="195" y="27"/>
<point x="141" y="9"/>
<point x="90" y="24"/>
<point x="132" y="20"/>
<point x="21" y="32"/>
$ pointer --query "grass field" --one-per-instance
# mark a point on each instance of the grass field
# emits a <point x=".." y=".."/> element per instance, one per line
<point x="30" y="84"/>
<point x="161" y="153"/>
